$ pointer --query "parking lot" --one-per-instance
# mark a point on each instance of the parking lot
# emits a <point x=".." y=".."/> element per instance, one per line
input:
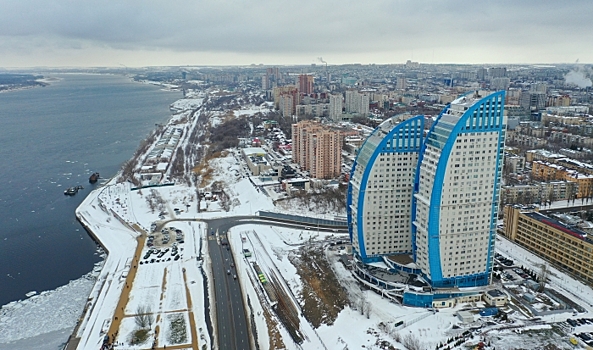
<point x="163" y="245"/>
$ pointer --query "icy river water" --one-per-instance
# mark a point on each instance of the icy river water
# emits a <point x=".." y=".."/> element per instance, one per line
<point x="52" y="138"/>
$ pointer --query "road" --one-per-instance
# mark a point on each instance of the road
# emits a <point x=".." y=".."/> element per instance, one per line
<point x="231" y="317"/>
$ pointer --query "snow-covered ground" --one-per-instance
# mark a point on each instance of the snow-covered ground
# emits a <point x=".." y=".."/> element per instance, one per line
<point x="271" y="247"/>
<point x="575" y="290"/>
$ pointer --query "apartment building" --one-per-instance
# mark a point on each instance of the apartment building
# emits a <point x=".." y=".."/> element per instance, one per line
<point x="380" y="192"/>
<point x="440" y="192"/>
<point x="563" y="245"/>
<point x="545" y="171"/>
<point x="317" y="148"/>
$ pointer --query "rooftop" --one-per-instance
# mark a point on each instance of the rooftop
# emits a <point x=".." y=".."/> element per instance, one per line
<point x="495" y="293"/>
<point x="571" y="230"/>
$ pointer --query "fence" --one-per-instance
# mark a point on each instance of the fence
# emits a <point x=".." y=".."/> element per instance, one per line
<point x="316" y="222"/>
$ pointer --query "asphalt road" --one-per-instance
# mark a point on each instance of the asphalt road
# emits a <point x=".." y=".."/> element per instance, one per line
<point x="231" y="316"/>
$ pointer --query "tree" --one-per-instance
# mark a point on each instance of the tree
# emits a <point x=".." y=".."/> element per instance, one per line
<point x="411" y="342"/>
<point x="144" y="317"/>
<point x="543" y="277"/>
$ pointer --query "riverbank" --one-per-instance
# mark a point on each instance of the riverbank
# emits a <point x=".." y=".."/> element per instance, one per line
<point x="119" y="241"/>
<point x="44" y="247"/>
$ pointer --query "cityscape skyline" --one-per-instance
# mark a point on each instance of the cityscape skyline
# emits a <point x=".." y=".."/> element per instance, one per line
<point x="136" y="34"/>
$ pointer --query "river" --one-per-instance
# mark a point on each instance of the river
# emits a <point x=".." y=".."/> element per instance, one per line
<point x="52" y="138"/>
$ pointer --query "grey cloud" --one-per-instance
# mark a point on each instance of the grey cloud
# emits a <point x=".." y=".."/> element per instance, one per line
<point x="285" y="27"/>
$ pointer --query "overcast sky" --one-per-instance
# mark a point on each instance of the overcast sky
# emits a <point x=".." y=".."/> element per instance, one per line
<point x="207" y="32"/>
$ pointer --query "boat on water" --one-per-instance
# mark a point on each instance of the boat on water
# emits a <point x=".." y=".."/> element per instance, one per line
<point x="30" y="294"/>
<point x="71" y="191"/>
<point x="94" y="177"/>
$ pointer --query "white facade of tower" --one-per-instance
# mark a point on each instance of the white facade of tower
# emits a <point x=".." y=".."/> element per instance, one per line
<point x="457" y="193"/>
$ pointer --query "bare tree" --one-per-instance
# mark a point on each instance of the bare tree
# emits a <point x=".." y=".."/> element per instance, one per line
<point x="144" y="317"/>
<point x="543" y="276"/>
<point x="411" y="342"/>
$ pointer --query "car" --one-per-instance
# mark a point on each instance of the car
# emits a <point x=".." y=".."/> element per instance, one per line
<point x="235" y="276"/>
<point x="307" y="227"/>
<point x="177" y="257"/>
<point x="232" y="264"/>
<point x="228" y="272"/>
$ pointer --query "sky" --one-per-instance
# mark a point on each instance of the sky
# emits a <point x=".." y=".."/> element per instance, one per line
<point x="136" y="33"/>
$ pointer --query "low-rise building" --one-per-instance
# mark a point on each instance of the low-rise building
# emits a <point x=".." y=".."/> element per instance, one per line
<point x="255" y="158"/>
<point x="495" y="297"/>
<point x="465" y="316"/>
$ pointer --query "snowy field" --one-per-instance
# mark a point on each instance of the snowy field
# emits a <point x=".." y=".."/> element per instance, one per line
<point x="161" y="287"/>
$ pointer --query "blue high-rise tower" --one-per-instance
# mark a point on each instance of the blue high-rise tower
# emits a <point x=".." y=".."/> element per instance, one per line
<point x="449" y="214"/>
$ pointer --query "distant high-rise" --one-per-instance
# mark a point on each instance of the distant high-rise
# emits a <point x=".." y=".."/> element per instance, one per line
<point x="497" y="72"/>
<point x="283" y="91"/>
<point x="401" y="83"/>
<point x="287" y="105"/>
<point x="434" y="197"/>
<point x="357" y="103"/>
<point x="336" y="105"/>
<point x="533" y="101"/>
<point x="317" y="149"/>
<point x="481" y="74"/>
<point x="539" y="88"/>
<point x="500" y="83"/>
<point x="265" y="82"/>
<point x="306" y="83"/>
